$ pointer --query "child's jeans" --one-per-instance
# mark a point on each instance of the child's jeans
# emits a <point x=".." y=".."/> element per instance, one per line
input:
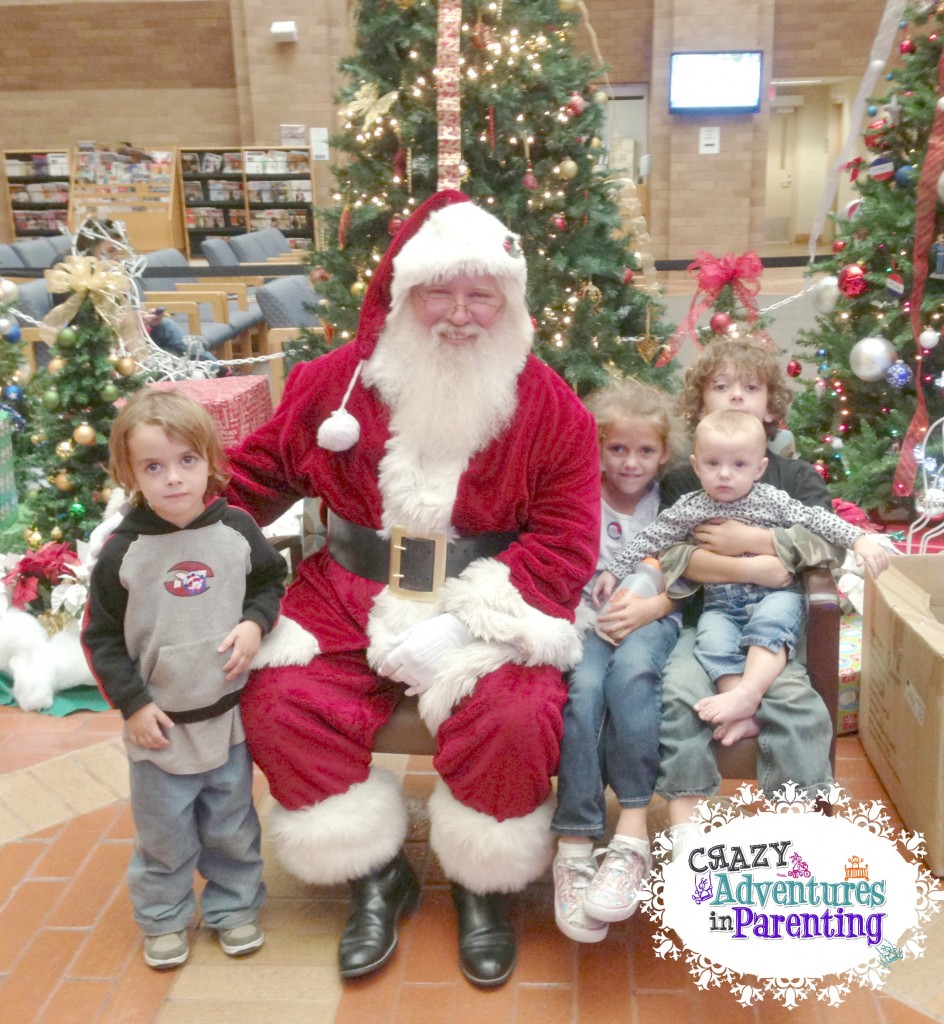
<point x="739" y="616"/>
<point x="611" y="727"/>
<point x="205" y="822"/>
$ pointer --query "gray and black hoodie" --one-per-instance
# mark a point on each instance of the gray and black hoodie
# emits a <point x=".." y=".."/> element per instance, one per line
<point x="161" y="600"/>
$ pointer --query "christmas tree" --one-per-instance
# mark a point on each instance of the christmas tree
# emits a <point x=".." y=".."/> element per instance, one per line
<point x="877" y="368"/>
<point x="529" y="123"/>
<point x="65" y="457"/>
<point x="14" y="371"/>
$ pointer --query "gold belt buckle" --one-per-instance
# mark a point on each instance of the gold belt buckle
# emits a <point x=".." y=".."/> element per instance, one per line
<point x="439" y="540"/>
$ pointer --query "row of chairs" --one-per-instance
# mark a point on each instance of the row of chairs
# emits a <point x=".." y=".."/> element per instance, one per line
<point x="218" y="309"/>
<point x="33" y="253"/>
<point x="266" y="245"/>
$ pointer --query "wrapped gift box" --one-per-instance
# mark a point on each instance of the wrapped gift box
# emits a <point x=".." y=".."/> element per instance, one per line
<point x="850" y="666"/>
<point x="239" y="404"/>
<point x="8" y="499"/>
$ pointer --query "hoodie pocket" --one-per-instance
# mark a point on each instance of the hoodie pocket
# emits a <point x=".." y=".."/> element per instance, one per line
<point x="190" y="675"/>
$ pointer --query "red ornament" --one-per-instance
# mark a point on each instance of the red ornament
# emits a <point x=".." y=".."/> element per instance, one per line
<point x="838" y="245"/>
<point x="576" y="104"/>
<point x="399" y="163"/>
<point x="529" y="181"/>
<point x="628" y="275"/>
<point x="558" y="222"/>
<point x="318" y="274"/>
<point x="820" y="468"/>
<point x="852" y="281"/>
<point x="875" y="132"/>
<point x="794" y="368"/>
<point x="395" y="224"/>
<point x="720" y="322"/>
<point x="907" y="47"/>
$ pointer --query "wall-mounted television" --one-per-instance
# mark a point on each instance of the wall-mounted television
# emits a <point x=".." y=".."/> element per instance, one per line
<point x="716" y="82"/>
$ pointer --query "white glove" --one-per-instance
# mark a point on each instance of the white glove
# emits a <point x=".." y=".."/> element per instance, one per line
<point x="102" y="532"/>
<point x="419" y="650"/>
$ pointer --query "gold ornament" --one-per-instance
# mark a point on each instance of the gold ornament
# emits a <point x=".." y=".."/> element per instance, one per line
<point x="126" y="366"/>
<point x="64" y="449"/>
<point x="84" y="433"/>
<point x="35" y="540"/>
<point x="55" y="622"/>
<point x="595" y="143"/>
<point x="358" y="288"/>
<point x="600" y="98"/>
<point x="63" y="481"/>
<point x="56" y="365"/>
<point x="568" y="168"/>
<point x="593" y="294"/>
<point x="105" y="495"/>
<point x="56" y="533"/>
<point x="649" y="347"/>
<point x="567" y="6"/>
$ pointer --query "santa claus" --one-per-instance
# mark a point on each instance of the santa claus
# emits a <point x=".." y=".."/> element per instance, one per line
<point x="459" y="477"/>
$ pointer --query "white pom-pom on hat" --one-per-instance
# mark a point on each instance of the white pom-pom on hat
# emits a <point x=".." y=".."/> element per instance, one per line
<point x="341" y="431"/>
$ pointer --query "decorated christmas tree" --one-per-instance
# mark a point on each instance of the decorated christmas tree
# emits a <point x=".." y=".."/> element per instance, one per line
<point x="72" y="400"/>
<point x="495" y="96"/>
<point x="873" y="368"/>
<point x="14" y="370"/>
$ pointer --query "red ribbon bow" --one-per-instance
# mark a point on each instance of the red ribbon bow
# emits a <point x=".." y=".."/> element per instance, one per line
<point x="742" y="273"/>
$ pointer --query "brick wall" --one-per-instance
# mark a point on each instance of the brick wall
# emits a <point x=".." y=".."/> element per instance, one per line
<point x="206" y="72"/>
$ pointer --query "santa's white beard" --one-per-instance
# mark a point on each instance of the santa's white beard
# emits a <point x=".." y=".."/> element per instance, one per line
<point x="446" y="403"/>
<point x="448" y="400"/>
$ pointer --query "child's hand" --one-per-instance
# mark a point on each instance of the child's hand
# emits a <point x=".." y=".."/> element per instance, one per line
<point x="872" y="555"/>
<point x="628" y="611"/>
<point x="766" y="571"/>
<point x="145" y="727"/>
<point x="602" y="589"/>
<point x="244" y="640"/>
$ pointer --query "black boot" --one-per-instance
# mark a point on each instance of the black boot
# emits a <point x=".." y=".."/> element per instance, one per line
<point x="377" y="901"/>
<point x="486" y="940"/>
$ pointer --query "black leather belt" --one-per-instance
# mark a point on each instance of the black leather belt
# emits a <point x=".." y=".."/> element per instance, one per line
<point x="227" y="701"/>
<point x="413" y="565"/>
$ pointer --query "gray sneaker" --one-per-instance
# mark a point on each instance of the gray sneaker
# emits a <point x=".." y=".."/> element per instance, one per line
<point x="164" y="951"/>
<point x="246" y="938"/>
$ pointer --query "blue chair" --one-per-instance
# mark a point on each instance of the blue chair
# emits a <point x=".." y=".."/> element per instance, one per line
<point x="289" y="301"/>
<point x="218" y="253"/>
<point x="38" y="253"/>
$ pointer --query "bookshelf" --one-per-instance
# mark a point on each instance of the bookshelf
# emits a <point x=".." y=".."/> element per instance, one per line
<point x="230" y="190"/>
<point x="142" y="192"/>
<point x="38" y="183"/>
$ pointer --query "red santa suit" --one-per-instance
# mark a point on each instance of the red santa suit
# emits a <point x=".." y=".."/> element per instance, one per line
<point x="495" y="705"/>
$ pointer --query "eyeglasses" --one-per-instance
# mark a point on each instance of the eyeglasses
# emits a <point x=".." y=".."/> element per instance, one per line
<point x="440" y="302"/>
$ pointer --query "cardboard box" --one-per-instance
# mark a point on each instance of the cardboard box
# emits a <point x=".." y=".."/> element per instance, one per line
<point x="850" y="668"/>
<point x="901" y="716"/>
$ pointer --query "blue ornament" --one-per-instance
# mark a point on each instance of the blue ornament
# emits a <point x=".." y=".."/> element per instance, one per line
<point x="905" y="176"/>
<point x="899" y="374"/>
<point x="13" y="393"/>
<point x="872" y="110"/>
<point x="13" y="335"/>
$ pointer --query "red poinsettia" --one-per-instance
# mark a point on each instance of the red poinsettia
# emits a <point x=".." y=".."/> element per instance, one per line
<point x="37" y="572"/>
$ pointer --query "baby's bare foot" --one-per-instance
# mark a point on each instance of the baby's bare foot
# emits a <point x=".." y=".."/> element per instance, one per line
<point x="724" y="708"/>
<point x="731" y="732"/>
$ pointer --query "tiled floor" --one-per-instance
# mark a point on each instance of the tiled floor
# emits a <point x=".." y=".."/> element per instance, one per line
<point x="69" y="951"/>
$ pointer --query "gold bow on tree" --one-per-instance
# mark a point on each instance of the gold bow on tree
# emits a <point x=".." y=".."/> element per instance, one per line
<point x="108" y="286"/>
<point x="369" y="104"/>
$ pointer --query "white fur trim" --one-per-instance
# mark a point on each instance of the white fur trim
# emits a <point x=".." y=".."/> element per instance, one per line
<point x="286" y="644"/>
<point x="485" y="600"/>
<point x="345" y="836"/>
<point x="458" y="239"/>
<point x="484" y="854"/>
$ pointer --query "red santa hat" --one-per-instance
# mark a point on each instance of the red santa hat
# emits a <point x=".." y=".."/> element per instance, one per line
<point x="447" y="235"/>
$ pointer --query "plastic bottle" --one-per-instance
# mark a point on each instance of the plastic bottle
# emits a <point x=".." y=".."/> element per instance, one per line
<point x="646" y="581"/>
